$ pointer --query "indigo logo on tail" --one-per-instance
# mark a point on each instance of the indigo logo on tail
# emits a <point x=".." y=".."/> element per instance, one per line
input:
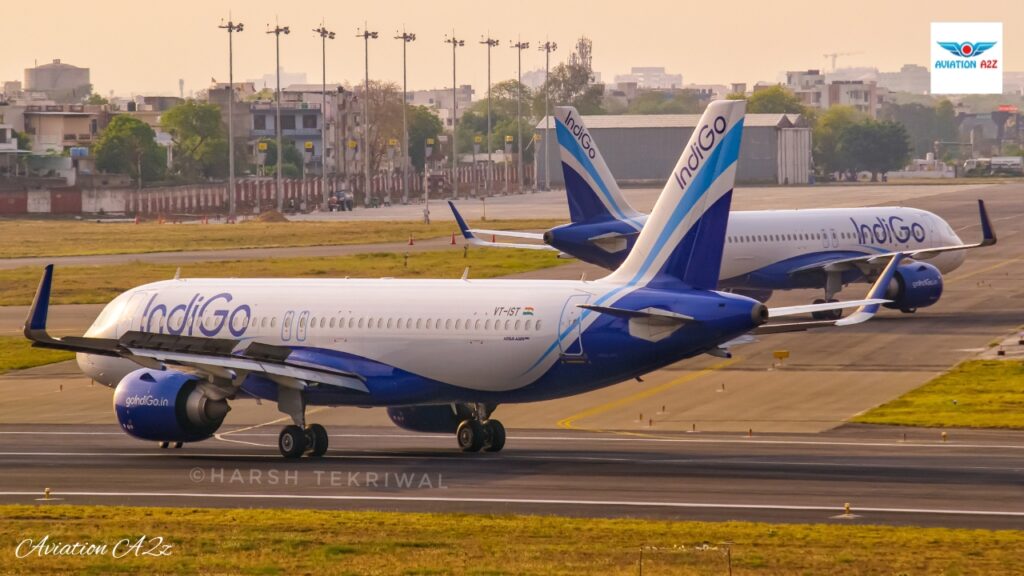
<point x="707" y="135"/>
<point x="581" y="135"/>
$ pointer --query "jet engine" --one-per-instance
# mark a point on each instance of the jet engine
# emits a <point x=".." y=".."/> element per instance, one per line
<point x="167" y="406"/>
<point x="914" y="286"/>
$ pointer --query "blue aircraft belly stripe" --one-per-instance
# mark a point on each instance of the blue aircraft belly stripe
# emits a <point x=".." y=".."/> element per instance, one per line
<point x="566" y="139"/>
<point x="701" y="183"/>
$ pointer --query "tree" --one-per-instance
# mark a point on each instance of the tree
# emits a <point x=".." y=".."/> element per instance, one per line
<point x="423" y="124"/>
<point x="24" y="143"/>
<point x="503" y="113"/>
<point x="126" y="144"/>
<point x="572" y="84"/>
<point x="291" y="162"/>
<point x="772" y="100"/>
<point x="96" y="99"/>
<point x="200" y="142"/>
<point x="826" y="137"/>
<point x="660" y="102"/>
<point x="877" y="147"/>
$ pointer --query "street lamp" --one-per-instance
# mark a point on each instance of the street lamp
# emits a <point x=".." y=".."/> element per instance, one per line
<point x="456" y="43"/>
<point x="520" y="46"/>
<point x="325" y="35"/>
<point x="366" y="35"/>
<point x="277" y="31"/>
<point x="405" y="37"/>
<point x="491" y="42"/>
<point x="547" y="47"/>
<point x="231" y="27"/>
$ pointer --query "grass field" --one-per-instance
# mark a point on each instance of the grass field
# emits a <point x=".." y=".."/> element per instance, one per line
<point x="99" y="284"/>
<point x="16" y="353"/>
<point x="231" y="541"/>
<point x="69" y="238"/>
<point x="977" y="394"/>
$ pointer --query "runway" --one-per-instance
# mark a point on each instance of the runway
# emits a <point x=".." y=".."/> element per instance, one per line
<point x="976" y="479"/>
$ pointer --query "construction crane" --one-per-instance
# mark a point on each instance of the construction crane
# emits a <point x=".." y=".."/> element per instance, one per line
<point x="835" y="55"/>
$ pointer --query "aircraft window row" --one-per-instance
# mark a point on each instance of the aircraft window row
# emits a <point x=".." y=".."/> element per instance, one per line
<point x="353" y="323"/>
<point x="785" y="237"/>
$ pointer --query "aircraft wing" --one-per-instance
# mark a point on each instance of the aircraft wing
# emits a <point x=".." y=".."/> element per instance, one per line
<point x="223" y="360"/>
<point x="470" y="235"/>
<point x="866" y="308"/>
<point x="873" y="262"/>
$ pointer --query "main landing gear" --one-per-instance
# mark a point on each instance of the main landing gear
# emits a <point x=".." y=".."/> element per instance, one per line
<point x="479" y="432"/>
<point x="298" y="438"/>
<point x="833" y="284"/>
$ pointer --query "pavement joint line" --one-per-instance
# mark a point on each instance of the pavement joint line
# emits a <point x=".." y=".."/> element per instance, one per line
<point x="983" y="270"/>
<point x="567" y="423"/>
<point x="530" y="501"/>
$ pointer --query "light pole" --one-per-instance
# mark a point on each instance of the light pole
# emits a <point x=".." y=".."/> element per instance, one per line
<point x="231" y="27"/>
<point x="405" y="37"/>
<point x="547" y="47"/>
<point x="520" y="46"/>
<point x="366" y="35"/>
<point x="277" y="31"/>
<point x="325" y="35"/>
<point x="456" y="43"/>
<point x="491" y="42"/>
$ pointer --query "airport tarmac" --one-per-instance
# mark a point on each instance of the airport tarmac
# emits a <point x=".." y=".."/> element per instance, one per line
<point x="973" y="480"/>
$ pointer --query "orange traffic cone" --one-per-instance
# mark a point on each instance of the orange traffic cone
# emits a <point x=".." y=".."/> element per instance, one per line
<point x="136" y="218"/>
<point x="453" y="238"/>
<point x="493" y="239"/>
<point x="411" y="243"/>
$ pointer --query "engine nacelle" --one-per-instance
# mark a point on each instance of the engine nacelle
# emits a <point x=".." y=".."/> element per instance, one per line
<point x="167" y="406"/>
<point x="914" y="286"/>
<point x="435" y="418"/>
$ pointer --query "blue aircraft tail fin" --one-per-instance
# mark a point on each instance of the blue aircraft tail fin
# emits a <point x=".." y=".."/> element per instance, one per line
<point x="684" y="236"/>
<point x="589" y="186"/>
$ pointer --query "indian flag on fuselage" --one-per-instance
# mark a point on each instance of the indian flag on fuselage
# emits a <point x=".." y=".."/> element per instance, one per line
<point x="527" y="310"/>
<point x="683" y="239"/>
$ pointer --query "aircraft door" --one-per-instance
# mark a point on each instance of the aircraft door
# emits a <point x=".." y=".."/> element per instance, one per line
<point x="834" y="237"/>
<point x="286" y="325"/>
<point x="130" y="315"/>
<point x="300" y="333"/>
<point x="570" y="332"/>
<point x="824" y="239"/>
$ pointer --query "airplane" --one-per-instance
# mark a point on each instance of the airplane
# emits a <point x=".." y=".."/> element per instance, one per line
<point x="440" y="355"/>
<point x="766" y="250"/>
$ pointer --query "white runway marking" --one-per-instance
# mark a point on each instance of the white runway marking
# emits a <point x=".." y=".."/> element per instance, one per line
<point x="533" y="501"/>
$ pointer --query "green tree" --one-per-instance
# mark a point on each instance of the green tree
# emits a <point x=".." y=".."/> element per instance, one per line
<point x="659" y="102"/>
<point x="24" y="143"/>
<point x="827" y="132"/>
<point x="291" y="162"/>
<point x="423" y="124"/>
<point x="199" y="137"/>
<point x="925" y="124"/>
<point x="503" y="113"/>
<point x="97" y="99"/>
<point x="128" y="143"/>
<point x="772" y="100"/>
<point x="572" y="84"/>
<point x="877" y="147"/>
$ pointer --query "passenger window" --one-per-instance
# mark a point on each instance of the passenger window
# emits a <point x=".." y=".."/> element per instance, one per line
<point x="263" y="322"/>
<point x="389" y="323"/>
<point x="312" y="322"/>
<point x="273" y="322"/>
<point x="419" y="323"/>
<point x="526" y="325"/>
<point x="458" y="324"/>
<point x="332" y="322"/>
<point x="360" y="322"/>
<point x="487" y="324"/>
<point x="380" y="323"/>
<point x="448" y="324"/>
<point x="476" y="325"/>
<point x="508" y="324"/>
<point x="538" y="325"/>
<point x="517" y="325"/>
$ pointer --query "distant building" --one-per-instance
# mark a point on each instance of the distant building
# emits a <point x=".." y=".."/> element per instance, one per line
<point x="61" y="82"/>
<point x="270" y="80"/>
<point x="776" y="148"/>
<point x="708" y="92"/>
<point x="815" y="91"/>
<point x="911" y="78"/>
<point x="440" y="100"/>
<point x="651" y="77"/>
<point x="55" y="128"/>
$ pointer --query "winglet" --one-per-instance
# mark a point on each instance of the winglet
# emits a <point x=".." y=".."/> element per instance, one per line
<point x="865" y="313"/>
<point x="461" y="222"/>
<point x="35" y="323"/>
<point x="987" y="233"/>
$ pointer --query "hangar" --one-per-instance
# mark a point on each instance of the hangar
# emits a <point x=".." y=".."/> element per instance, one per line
<point x="643" y="149"/>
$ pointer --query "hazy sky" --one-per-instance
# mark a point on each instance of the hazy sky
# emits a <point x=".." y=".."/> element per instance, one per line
<point x="144" y="47"/>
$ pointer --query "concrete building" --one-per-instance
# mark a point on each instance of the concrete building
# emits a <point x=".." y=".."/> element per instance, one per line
<point x="440" y="101"/>
<point x="270" y="80"/>
<point x="302" y="122"/>
<point x="55" y="128"/>
<point x="776" y="148"/>
<point x="911" y="78"/>
<point x="816" y="91"/>
<point x="651" y="77"/>
<point x="708" y="92"/>
<point x="61" y="82"/>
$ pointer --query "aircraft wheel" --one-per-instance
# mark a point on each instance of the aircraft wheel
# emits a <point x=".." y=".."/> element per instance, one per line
<point x="908" y="310"/>
<point x="495" y="436"/>
<point x="835" y="314"/>
<point x="316" y="439"/>
<point x="178" y="445"/>
<point x="164" y="445"/>
<point x="470" y="435"/>
<point x="819" y="315"/>
<point x="292" y="441"/>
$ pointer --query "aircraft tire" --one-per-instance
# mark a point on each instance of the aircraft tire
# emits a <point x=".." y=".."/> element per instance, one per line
<point x="495" y="436"/>
<point x="470" y="436"/>
<point x="292" y="441"/>
<point x="317" y="440"/>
